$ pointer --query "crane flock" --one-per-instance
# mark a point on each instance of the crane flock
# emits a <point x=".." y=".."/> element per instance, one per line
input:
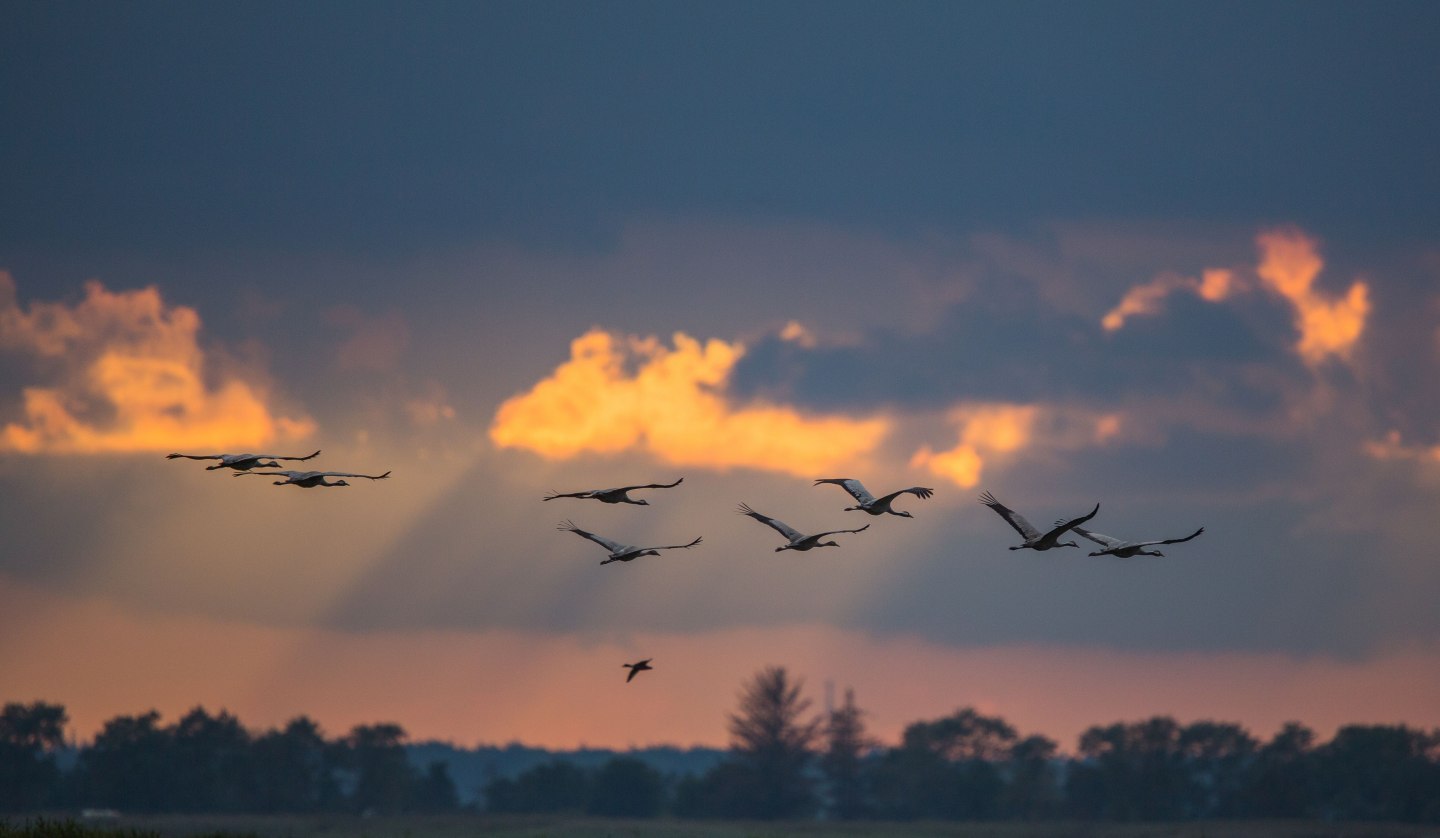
<point x="247" y="465"/>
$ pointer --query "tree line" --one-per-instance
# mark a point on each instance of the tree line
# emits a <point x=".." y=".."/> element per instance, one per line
<point x="784" y="762"/>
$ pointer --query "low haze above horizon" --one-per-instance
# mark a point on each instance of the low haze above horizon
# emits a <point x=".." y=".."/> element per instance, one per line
<point x="1179" y="260"/>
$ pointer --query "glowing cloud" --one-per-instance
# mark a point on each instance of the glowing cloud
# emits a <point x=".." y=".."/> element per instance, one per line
<point x="1288" y="266"/>
<point x="989" y="431"/>
<point x="1214" y="285"/>
<point x="1393" y="448"/>
<point x="131" y="378"/>
<point x="617" y="394"/>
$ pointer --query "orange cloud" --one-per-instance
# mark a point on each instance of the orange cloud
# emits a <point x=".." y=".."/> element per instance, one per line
<point x="989" y="431"/>
<point x="1392" y="448"/>
<point x="1288" y="266"/>
<point x="618" y="394"/>
<point x="131" y="378"/>
<point x="1214" y="285"/>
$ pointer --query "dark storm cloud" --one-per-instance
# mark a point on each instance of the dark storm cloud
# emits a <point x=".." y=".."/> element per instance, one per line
<point x="1012" y="345"/>
<point x="387" y="126"/>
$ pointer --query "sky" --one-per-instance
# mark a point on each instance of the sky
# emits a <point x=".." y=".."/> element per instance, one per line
<point x="1176" y="259"/>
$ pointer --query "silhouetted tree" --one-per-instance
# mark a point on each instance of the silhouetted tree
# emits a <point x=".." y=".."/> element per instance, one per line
<point x="1130" y="772"/>
<point x="213" y="764"/>
<point x="842" y="762"/>
<point x="1281" y="781"/>
<point x="435" y="791"/>
<point x="384" y="778"/>
<point x="130" y="765"/>
<point x="1218" y="758"/>
<point x="295" y="769"/>
<point x="1377" y="772"/>
<point x="773" y="744"/>
<point x="1033" y="788"/>
<point x="29" y="736"/>
<point x="626" y="787"/>
<point x="557" y="786"/>
<point x="946" y="768"/>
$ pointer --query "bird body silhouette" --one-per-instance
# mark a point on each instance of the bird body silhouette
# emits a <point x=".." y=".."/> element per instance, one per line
<point x="621" y="552"/>
<point x="636" y="668"/>
<point x="868" y="502"/>
<point x="241" y="462"/>
<point x="798" y="540"/>
<point x="1034" y="539"/>
<point x="311" y="479"/>
<point x="1121" y="548"/>
<point x="617" y="495"/>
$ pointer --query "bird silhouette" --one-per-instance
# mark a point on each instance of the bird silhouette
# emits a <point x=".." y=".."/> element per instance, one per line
<point x="798" y="540"/>
<point x="621" y="552"/>
<point x="241" y="462"/>
<point x="1034" y="539"/>
<point x="868" y="502"/>
<point x="617" y="495"/>
<point x="311" y="479"/>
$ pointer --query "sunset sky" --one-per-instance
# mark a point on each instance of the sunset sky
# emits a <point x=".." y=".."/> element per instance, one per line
<point x="1178" y="259"/>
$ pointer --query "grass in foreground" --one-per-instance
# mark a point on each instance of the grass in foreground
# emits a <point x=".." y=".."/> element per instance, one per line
<point x="562" y="826"/>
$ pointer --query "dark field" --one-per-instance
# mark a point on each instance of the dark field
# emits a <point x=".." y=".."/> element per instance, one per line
<point x="559" y="826"/>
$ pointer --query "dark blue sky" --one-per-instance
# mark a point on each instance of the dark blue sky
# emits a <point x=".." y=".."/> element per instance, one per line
<point x="394" y="127"/>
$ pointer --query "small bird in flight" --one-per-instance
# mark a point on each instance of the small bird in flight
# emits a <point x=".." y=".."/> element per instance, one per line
<point x="798" y="540"/>
<point x="618" y="495"/>
<point x="637" y="668"/>
<point x="621" y="552"/>
<point x="870" y="503"/>
<point x="311" y="479"/>
<point x="1034" y="539"/>
<point x="241" y="462"/>
<point x="1126" y="549"/>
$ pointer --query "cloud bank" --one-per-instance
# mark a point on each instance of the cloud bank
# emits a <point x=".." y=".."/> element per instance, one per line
<point x="125" y="373"/>
<point x="619" y="394"/>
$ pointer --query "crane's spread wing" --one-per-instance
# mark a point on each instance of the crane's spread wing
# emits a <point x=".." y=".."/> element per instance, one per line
<point x="1103" y="540"/>
<point x="1015" y="519"/>
<point x="779" y="526"/>
<point x="676" y="546"/>
<point x="292" y="475"/>
<point x="650" y="486"/>
<point x="920" y="492"/>
<point x="1062" y="526"/>
<point x="856" y="489"/>
<point x="554" y="495"/>
<point x="1173" y="540"/>
<point x="278" y="457"/>
<point x="612" y="546"/>
<point x="838" y="532"/>
<point x="197" y="456"/>
<point x="349" y="474"/>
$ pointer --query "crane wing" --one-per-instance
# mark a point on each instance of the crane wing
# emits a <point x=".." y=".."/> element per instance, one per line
<point x="1106" y="541"/>
<point x="293" y="475"/>
<point x="676" y="546"/>
<point x="1173" y="540"/>
<point x="612" y="546"/>
<point x="1062" y="526"/>
<point x="779" y="526"/>
<point x="650" y="486"/>
<point x="278" y="457"/>
<point x="921" y="492"/>
<point x="838" y="532"/>
<point x="856" y="489"/>
<point x="1015" y="519"/>
<point x="554" y="495"/>
<point x="349" y="474"/>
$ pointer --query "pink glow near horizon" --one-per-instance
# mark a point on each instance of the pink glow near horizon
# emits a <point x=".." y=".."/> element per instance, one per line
<point x="565" y="691"/>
